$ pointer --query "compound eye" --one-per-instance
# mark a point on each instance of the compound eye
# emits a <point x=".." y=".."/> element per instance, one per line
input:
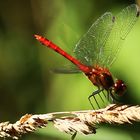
<point x="119" y="87"/>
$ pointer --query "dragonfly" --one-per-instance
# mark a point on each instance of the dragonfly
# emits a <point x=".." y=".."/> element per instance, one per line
<point x="98" y="48"/>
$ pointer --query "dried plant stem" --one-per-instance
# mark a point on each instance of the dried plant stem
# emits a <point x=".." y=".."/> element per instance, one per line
<point x="72" y="122"/>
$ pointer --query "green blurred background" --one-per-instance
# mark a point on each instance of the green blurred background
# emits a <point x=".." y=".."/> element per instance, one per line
<point x="26" y="83"/>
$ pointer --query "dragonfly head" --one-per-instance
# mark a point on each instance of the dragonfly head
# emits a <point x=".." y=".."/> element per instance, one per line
<point x="119" y="87"/>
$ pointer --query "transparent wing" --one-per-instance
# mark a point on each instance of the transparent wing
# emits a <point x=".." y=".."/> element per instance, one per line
<point x="101" y="43"/>
<point x="89" y="48"/>
<point x="66" y="70"/>
<point x="123" y="23"/>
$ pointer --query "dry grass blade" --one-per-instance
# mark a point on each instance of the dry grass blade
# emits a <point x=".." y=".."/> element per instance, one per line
<point x="74" y="122"/>
<point x="113" y="114"/>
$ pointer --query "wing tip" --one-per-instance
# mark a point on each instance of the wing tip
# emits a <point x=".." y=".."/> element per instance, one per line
<point x="137" y="7"/>
<point x="113" y="19"/>
<point x="138" y="11"/>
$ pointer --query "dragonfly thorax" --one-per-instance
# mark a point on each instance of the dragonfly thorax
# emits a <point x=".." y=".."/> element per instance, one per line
<point x="101" y="77"/>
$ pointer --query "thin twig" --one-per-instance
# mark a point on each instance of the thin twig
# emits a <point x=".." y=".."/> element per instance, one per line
<point x="83" y="122"/>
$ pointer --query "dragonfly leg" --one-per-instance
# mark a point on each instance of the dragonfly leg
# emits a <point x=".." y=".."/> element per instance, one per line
<point x="114" y="99"/>
<point x="73" y="136"/>
<point x="101" y="98"/>
<point x="93" y="95"/>
<point x="90" y="101"/>
<point x="104" y="94"/>
<point x="108" y="96"/>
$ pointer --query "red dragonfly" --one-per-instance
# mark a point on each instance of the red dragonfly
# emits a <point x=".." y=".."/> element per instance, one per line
<point x="98" y="48"/>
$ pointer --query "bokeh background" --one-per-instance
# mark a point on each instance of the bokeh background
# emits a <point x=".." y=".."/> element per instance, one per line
<point x="26" y="83"/>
